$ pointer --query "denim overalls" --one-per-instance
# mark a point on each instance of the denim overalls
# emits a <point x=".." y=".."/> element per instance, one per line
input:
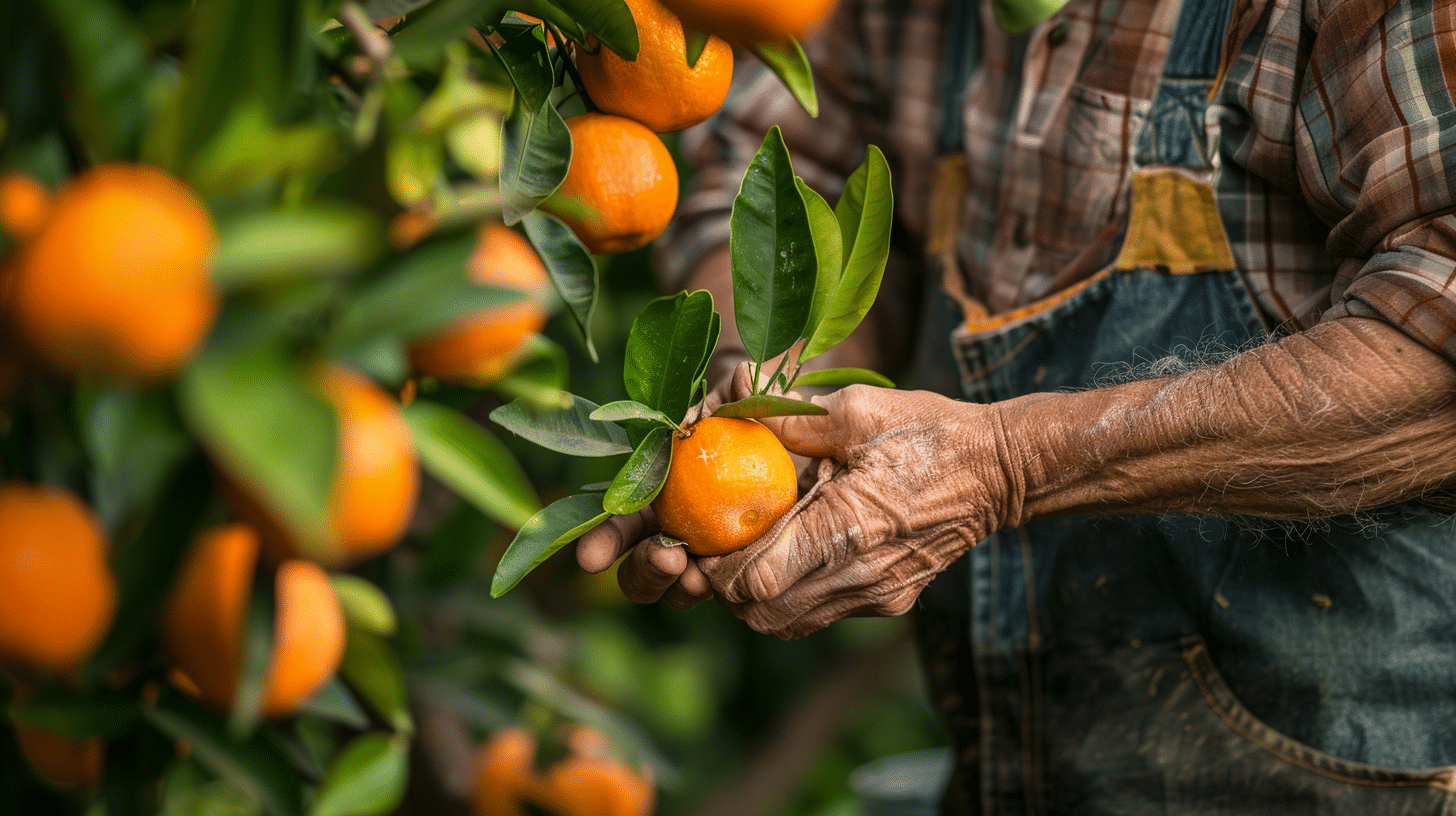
<point x="1180" y="664"/>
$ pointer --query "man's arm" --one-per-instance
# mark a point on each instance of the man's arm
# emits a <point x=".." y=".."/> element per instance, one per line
<point x="1348" y="416"/>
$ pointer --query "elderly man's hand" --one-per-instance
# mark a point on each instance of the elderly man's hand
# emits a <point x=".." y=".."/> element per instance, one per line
<point x="917" y="479"/>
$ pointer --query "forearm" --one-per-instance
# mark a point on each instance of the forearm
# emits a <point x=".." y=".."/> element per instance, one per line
<point x="1348" y="416"/>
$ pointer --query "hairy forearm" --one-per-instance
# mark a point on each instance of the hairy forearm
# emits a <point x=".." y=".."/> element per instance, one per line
<point x="1349" y="416"/>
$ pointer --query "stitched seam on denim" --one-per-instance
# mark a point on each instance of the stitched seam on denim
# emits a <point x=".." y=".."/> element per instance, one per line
<point x="1198" y="654"/>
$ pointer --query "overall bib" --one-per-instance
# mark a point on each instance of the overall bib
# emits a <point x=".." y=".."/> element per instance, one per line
<point x="1179" y="664"/>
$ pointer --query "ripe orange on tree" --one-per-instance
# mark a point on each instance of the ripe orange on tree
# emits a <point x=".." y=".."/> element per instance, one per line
<point x="621" y="188"/>
<point x="376" y="480"/>
<point x="581" y="784"/>
<point x="57" y="593"/>
<point x="484" y="346"/>
<point x="25" y="204"/>
<point x="115" y="281"/>
<point x="748" y="22"/>
<point x="204" y="622"/>
<point x="658" y="88"/>
<point x="730" y="480"/>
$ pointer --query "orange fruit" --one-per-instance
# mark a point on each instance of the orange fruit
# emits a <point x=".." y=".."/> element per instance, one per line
<point x="598" y="786"/>
<point x="57" y="594"/>
<point x="25" y="204"/>
<point x="115" y="283"/>
<point x="376" y="478"/>
<point x="621" y="188"/>
<point x="61" y="761"/>
<point x="746" y="22"/>
<point x="205" y="618"/>
<point x="485" y="345"/>
<point x="658" y="89"/>
<point x="729" y="481"/>
<point x="505" y="774"/>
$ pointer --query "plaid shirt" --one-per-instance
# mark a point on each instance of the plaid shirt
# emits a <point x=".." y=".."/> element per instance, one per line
<point x="1337" y="146"/>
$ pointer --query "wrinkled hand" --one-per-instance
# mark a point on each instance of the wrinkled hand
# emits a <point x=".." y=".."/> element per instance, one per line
<point x="917" y="480"/>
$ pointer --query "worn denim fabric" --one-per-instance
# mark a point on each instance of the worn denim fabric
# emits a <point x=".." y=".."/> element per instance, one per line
<point x="1186" y="664"/>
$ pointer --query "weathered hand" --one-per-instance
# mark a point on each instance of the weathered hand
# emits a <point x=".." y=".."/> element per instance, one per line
<point x="917" y="479"/>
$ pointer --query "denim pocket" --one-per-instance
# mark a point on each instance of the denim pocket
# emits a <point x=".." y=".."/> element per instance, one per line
<point x="1151" y="728"/>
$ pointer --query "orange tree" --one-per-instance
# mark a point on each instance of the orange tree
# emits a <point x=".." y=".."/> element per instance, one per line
<point x="233" y="237"/>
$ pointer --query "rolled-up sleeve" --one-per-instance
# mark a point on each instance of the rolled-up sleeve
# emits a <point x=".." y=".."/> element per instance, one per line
<point x="1376" y="142"/>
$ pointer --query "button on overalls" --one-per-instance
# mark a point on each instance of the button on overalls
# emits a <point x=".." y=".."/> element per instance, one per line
<point x="1177" y="664"/>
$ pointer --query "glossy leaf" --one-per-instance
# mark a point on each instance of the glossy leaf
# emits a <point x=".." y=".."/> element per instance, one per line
<point x="828" y="250"/>
<point x="367" y="778"/>
<point x="839" y="377"/>
<point x="865" y="213"/>
<point x="266" y="245"/>
<point x="666" y="347"/>
<point x="768" y="405"/>
<point x="572" y="267"/>
<point x="537" y="150"/>
<point x="630" y="409"/>
<point x="523" y="52"/>
<point x="642" y="477"/>
<point x="474" y="464"/>
<point x="788" y="62"/>
<point x="772" y="251"/>
<point x="256" y="413"/>
<point x="559" y="524"/>
<point x="610" y="20"/>
<point x="570" y="430"/>
<point x="372" y="669"/>
<point x="253" y="766"/>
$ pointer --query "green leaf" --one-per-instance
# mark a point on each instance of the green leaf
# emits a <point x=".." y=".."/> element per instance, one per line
<point x="828" y="250"/>
<point x="570" y="430"/>
<point x="253" y="766"/>
<point x="768" y="405"/>
<point x="424" y="33"/>
<point x="865" y="213"/>
<point x="334" y="703"/>
<point x="787" y="61"/>
<point x="365" y="604"/>
<point x="572" y="267"/>
<point x="610" y="20"/>
<point x="256" y="412"/>
<point x="134" y="441"/>
<point x="266" y="245"/>
<point x="523" y="52"/>
<point x="537" y="153"/>
<point x="372" y="668"/>
<point x="471" y="462"/>
<point x="105" y="715"/>
<point x="622" y="410"/>
<point x="694" y="42"/>
<point x="559" y="524"/>
<point x="258" y="629"/>
<point x="666" y="347"/>
<point x="107" y="76"/>
<point x="642" y="477"/>
<point x="839" y="377"/>
<point x="367" y="778"/>
<point x="539" y="377"/>
<point x="424" y="291"/>
<point x="414" y="159"/>
<point x="772" y="253"/>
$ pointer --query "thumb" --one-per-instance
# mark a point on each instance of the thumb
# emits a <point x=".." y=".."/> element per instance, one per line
<point x="814" y="436"/>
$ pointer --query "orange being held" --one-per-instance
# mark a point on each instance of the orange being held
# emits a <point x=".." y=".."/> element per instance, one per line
<point x="620" y="190"/>
<point x="484" y="346"/>
<point x="658" y="88"/>
<point x="729" y="481"/>
<point x="748" y="22"/>
<point x="115" y="283"/>
<point x="205" y="619"/>
<point x="57" y="593"/>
